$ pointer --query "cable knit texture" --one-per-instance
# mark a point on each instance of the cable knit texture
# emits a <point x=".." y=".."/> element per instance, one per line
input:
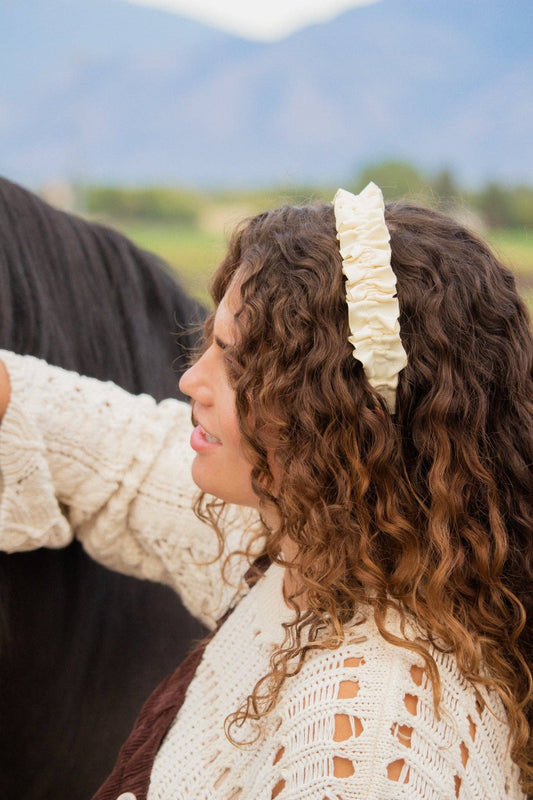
<point x="119" y="467"/>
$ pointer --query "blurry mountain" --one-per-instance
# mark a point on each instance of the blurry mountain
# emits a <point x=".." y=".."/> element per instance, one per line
<point x="105" y="90"/>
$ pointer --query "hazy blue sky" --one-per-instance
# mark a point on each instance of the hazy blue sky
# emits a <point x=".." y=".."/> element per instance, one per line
<point x="257" y="19"/>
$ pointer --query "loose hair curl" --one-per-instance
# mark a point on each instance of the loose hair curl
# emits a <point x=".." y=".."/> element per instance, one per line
<point x="429" y="511"/>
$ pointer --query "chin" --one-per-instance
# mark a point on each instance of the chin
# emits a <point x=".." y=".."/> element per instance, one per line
<point x="236" y="490"/>
<point x="199" y="478"/>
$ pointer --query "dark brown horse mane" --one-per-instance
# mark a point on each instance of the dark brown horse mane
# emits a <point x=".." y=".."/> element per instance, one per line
<point x="82" y="647"/>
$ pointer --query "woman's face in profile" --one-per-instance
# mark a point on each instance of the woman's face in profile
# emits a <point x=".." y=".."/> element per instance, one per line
<point x="221" y="467"/>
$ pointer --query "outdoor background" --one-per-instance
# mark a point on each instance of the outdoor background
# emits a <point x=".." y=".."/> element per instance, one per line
<point x="173" y="126"/>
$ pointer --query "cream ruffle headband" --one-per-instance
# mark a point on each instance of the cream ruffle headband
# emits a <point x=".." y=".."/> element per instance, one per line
<point x="373" y="308"/>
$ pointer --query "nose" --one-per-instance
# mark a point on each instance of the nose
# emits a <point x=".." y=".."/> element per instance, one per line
<point x="186" y="381"/>
<point x="194" y="383"/>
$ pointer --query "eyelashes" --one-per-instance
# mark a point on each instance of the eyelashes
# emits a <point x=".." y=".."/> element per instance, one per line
<point x="219" y="343"/>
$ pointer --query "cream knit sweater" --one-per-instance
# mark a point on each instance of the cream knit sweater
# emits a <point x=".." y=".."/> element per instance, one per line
<point x="119" y="468"/>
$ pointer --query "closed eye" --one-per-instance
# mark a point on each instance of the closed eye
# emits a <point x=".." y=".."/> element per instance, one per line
<point x="220" y="343"/>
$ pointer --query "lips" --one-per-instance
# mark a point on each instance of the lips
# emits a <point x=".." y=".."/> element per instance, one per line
<point x="209" y="436"/>
<point x="202" y="440"/>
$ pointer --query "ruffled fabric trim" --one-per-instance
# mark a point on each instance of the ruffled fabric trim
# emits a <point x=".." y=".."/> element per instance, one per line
<point x="373" y="308"/>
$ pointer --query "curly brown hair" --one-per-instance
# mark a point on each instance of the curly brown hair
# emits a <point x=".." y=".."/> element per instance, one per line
<point x="429" y="510"/>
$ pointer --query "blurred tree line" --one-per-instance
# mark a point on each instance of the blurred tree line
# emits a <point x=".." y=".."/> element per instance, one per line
<point x="497" y="205"/>
<point x="154" y="203"/>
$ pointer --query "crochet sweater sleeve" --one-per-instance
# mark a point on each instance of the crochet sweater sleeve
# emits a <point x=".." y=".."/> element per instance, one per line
<point x="85" y="457"/>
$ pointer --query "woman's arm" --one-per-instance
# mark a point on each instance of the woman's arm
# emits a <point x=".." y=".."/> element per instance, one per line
<point x="78" y="455"/>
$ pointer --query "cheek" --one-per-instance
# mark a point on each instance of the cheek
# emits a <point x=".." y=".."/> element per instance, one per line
<point x="232" y="431"/>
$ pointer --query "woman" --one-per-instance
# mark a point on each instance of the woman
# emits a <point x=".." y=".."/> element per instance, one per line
<point x="384" y="652"/>
<point x="82" y="647"/>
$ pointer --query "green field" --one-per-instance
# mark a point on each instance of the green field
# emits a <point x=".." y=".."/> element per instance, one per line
<point x="515" y="248"/>
<point x="194" y="254"/>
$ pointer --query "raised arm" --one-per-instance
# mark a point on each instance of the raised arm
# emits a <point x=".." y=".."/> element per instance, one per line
<point x="82" y="457"/>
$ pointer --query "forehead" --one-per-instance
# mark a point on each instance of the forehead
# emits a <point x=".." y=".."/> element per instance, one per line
<point x="224" y="322"/>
